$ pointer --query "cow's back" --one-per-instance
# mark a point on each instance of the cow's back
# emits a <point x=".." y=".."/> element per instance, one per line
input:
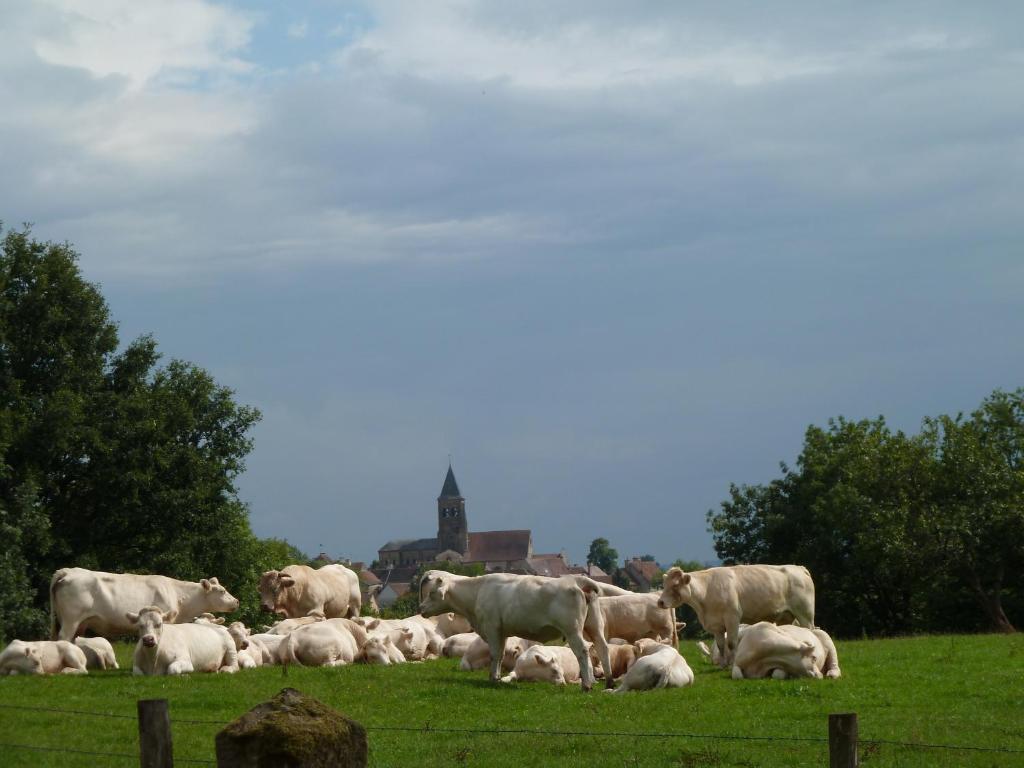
<point x="98" y="601"/>
<point x="533" y="607"/>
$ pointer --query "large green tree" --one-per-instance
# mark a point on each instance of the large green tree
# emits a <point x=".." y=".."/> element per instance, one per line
<point x="108" y="460"/>
<point x="900" y="532"/>
<point x="603" y="555"/>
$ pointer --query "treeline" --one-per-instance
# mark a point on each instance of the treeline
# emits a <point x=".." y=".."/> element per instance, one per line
<point x="109" y="460"/>
<point x="902" y="533"/>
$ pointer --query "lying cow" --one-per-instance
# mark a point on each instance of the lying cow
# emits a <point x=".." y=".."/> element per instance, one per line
<point x="43" y="657"/>
<point x="285" y="626"/>
<point x="545" y="664"/>
<point x="449" y="624"/>
<point x="99" y="653"/>
<point x="324" y="644"/>
<point x="622" y="657"/>
<point x="455" y="647"/>
<point x="83" y="600"/>
<point x="767" y="650"/>
<point x="658" y="666"/>
<point x="252" y="653"/>
<point x="726" y="596"/>
<point x="499" y="605"/>
<point x="478" y="654"/>
<point x="270" y="644"/>
<point x="380" y="650"/>
<point x="176" y="649"/>
<point x="298" y="589"/>
<point x="634" y="616"/>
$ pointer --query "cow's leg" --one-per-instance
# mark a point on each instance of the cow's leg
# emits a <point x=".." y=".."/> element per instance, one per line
<point x="180" y="667"/>
<point x="583" y="657"/>
<point x="732" y="632"/>
<point x="68" y="630"/>
<point x="723" y="655"/>
<point x="496" y="645"/>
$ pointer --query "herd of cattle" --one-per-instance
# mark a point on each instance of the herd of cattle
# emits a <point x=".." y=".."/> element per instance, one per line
<point x="761" y="616"/>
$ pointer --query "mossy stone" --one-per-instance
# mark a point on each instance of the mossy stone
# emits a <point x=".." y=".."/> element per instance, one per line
<point x="292" y="731"/>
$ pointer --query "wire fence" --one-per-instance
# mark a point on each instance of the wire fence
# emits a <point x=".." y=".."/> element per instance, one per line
<point x="428" y="729"/>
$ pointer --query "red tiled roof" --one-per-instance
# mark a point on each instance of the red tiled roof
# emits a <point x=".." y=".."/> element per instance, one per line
<point x="493" y="546"/>
<point x="367" y="577"/>
<point x="549" y="565"/>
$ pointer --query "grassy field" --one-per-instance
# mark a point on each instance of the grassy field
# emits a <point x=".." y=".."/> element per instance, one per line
<point x="954" y="690"/>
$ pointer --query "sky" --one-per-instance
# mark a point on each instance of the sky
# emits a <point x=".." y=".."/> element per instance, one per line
<point x="611" y="258"/>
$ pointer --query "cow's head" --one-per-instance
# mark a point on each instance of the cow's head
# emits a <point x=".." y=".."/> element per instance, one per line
<point x="208" y="618"/>
<point x="676" y="590"/>
<point x="217" y="598"/>
<point x="434" y="588"/>
<point x="239" y="634"/>
<point x="645" y="646"/>
<point x="376" y="650"/>
<point x="23" y="658"/>
<point x="514" y="648"/>
<point x="549" y="667"/>
<point x="149" y="623"/>
<point x="272" y="587"/>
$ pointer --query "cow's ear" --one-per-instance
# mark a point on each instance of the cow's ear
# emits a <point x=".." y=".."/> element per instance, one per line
<point x="219" y="620"/>
<point x="169" y="617"/>
<point x="213" y="580"/>
<point x="685" y="580"/>
<point x="287" y="581"/>
<point x="205" y="584"/>
<point x="28" y="650"/>
<point x="543" y="660"/>
<point x="133" y="618"/>
<point x="806" y="649"/>
<point x="373" y="624"/>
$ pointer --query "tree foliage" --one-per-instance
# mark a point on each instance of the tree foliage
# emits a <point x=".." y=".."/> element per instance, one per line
<point x="603" y="555"/>
<point x="900" y="532"/>
<point x="108" y="460"/>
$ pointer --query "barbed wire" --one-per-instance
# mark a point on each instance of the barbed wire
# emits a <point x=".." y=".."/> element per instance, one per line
<point x="428" y="729"/>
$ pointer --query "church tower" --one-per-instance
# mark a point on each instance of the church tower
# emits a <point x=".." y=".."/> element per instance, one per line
<point x="452" y="529"/>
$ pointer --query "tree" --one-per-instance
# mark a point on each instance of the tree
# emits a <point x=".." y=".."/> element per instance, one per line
<point x="107" y="460"/>
<point x="979" y="498"/>
<point x="603" y="556"/>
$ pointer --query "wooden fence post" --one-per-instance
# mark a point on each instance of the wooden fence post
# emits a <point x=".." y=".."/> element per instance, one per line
<point x="842" y="740"/>
<point x="155" y="749"/>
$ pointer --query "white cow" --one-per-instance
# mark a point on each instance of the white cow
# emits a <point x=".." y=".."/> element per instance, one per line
<point x="767" y="650"/>
<point x="324" y="644"/>
<point x="285" y="626"/>
<point x="499" y="605"/>
<point x="270" y="644"/>
<point x="43" y="657"/>
<point x="99" y="653"/>
<point x="478" y="654"/>
<point x="380" y="650"/>
<point x="449" y="624"/>
<point x="176" y="649"/>
<point x="546" y="664"/>
<point x="658" y="666"/>
<point x="634" y="616"/>
<point x="251" y="652"/>
<point x="457" y="645"/>
<point x="726" y="596"/>
<point x="298" y="589"/>
<point x="622" y="656"/>
<point x="83" y="600"/>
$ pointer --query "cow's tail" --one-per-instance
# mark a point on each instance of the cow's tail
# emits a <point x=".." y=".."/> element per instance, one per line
<point x="287" y="652"/>
<point x="55" y="582"/>
<point x="591" y="589"/>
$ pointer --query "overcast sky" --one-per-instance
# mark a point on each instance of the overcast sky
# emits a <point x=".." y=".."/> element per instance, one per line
<point x="610" y="256"/>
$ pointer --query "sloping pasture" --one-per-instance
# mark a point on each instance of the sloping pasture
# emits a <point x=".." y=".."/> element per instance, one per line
<point x="944" y="690"/>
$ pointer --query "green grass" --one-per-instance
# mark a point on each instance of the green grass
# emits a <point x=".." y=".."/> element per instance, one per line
<point x="962" y="690"/>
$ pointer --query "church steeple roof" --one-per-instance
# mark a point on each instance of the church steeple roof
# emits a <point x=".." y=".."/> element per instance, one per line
<point x="450" y="490"/>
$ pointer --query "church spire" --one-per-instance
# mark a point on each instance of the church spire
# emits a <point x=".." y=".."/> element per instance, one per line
<point x="450" y="490"/>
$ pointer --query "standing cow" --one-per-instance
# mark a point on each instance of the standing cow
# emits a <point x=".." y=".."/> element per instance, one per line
<point x="83" y="600"/>
<point x="298" y="589"/>
<point x="499" y="605"/>
<point x="726" y="596"/>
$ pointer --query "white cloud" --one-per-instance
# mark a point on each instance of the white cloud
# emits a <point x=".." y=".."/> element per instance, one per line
<point x="298" y="30"/>
<point x="144" y="39"/>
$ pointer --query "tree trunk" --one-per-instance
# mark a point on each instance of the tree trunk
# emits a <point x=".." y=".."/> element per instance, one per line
<point x="992" y="603"/>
